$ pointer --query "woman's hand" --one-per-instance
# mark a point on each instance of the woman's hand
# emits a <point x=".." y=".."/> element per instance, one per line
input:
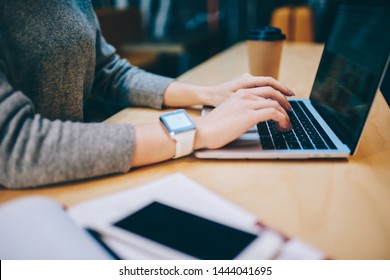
<point x="242" y="110"/>
<point x="221" y="92"/>
<point x="180" y="94"/>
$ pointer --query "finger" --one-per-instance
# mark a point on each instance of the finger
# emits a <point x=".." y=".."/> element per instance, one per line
<point x="267" y="103"/>
<point x="269" y="113"/>
<point x="254" y="81"/>
<point x="275" y="112"/>
<point x="271" y="93"/>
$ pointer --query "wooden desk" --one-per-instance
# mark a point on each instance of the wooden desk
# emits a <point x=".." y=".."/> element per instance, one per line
<point x="341" y="206"/>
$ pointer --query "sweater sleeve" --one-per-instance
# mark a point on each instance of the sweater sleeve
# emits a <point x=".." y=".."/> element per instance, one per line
<point x="119" y="83"/>
<point x="35" y="151"/>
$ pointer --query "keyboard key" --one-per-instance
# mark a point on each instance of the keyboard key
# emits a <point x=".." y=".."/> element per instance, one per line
<point x="294" y="146"/>
<point x="262" y="129"/>
<point x="303" y="137"/>
<point x="312" y="133"/>
<point x="280" y="144"/>
<point x="321" y="146"/>
<point x="307" y="146"/>
<point x="290" y="137"/>
<point x="304" y="140"/>
<point x="318" y="142"/>
<point x="267" y="143"/>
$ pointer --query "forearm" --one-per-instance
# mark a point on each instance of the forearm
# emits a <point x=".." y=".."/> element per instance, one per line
<point x="152" y="144"/>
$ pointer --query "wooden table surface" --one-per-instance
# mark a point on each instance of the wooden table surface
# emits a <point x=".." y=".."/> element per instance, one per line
<point x="340" y="206"/>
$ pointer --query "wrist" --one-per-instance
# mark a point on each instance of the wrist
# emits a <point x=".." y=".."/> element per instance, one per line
<point x="201" y="134"/>
<point x="198" y="95"/>
<point x="204" y="95"/>
<point x="180" y="94"/>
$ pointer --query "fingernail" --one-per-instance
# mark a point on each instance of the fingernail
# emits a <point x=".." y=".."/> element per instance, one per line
<point x="290" y="92"/>
<point x="282" y="129"/>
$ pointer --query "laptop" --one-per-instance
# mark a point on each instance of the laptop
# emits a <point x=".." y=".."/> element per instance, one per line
<point x="329" y="124"/>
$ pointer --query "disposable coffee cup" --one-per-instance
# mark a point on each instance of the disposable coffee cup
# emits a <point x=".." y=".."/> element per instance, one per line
<point x="265" y="51"/>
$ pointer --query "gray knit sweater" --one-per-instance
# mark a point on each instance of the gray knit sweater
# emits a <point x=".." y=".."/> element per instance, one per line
<point x="57" y="74"/>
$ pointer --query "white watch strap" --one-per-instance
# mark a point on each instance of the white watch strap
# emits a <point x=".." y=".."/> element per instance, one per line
<point x="184" y="143"/>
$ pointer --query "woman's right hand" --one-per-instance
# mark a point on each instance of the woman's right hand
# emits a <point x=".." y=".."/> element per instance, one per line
<point x="244" y="109"/>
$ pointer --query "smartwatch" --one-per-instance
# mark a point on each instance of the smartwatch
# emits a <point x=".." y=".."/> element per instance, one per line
<point x="181" y="128"/>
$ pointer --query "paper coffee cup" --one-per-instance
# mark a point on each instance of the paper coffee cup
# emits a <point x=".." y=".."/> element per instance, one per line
<point x="265" y="50"/>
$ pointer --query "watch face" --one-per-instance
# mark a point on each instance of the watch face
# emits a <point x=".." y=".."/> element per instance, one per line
<point x="177" y="121"/>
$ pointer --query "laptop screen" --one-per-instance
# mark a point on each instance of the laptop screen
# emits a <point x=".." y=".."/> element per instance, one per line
<point x="352" y="67"/>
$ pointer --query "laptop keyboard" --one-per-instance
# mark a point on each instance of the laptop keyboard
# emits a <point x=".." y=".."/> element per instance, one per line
<point x="307" y="133"/>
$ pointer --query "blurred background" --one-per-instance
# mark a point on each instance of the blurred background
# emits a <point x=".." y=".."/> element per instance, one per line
<point x="169" y="37"/>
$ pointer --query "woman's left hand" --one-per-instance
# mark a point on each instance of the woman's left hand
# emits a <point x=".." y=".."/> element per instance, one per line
<point x="219" y="93"/>
<point x="180" y="94"/>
